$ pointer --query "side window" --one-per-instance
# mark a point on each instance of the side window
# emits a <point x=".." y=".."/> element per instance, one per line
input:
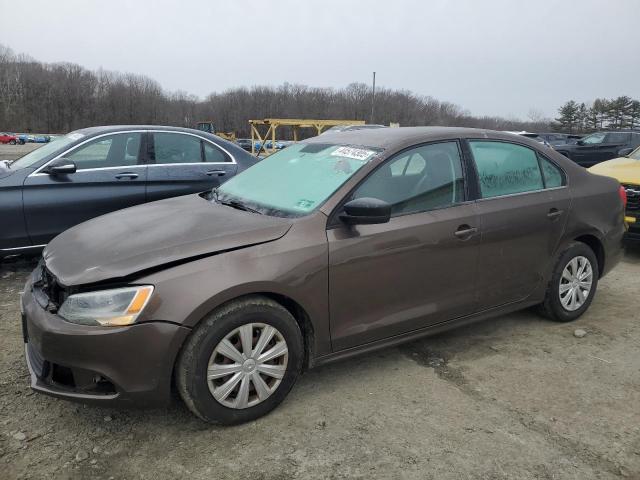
<point x="214" y="154"/>
<point x="110" y="151"/>
<point x="410" y="163"/>
<point x="594" y="139"/>
<point x="553" y="176"/>
<point x="505" y="168"/>
<point x="617" y="137"/>
<point x="176" y="148"/>
<point x="420" y="179"/>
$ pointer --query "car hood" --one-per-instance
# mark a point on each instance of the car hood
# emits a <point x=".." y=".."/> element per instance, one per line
<point x="623" y="169"/>
<point x="151" y="235"/>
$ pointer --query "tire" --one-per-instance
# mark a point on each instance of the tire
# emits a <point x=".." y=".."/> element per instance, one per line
<point x="194" y="361"/>
<point x="553" y="307"/>
<point x="12" y="142"/>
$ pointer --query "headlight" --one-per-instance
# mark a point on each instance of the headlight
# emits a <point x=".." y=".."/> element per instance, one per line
<point x="109" y="308"/>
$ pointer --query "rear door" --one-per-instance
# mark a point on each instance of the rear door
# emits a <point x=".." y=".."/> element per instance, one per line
<point x="613" y="142"/>
<point x="183" y="163"/>
<point x="110" y="175"/>
<point x="523" y="209"/>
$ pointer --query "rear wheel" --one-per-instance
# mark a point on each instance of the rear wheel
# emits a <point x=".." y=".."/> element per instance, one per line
<point x="240" y="362"/>
<point x="573" y="284"/>
<point x="12" y="142"/>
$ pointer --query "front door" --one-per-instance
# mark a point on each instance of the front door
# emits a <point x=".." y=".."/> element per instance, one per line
<point x="523" y="211"/>
<point x="110" y="175"/>
<point x="590" y="150"/>
<point x="418" y="269"/>
<point x="183" y="163"/>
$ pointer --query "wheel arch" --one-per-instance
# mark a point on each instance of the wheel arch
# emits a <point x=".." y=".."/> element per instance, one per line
<point x="595" y="244"/>
<point x="295" y="308"/>
<point x="301" y="316"/>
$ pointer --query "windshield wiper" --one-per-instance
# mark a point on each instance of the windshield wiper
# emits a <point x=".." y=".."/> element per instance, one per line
<point x="233" y="203"/>
<point x="238" y="205"/>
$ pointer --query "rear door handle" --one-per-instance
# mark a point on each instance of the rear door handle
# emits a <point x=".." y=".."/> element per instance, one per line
<point x="465" y="231"/>
<point x="554" y="213"/>
<point x="126" y="175"/>
<point x="217" y="173"/>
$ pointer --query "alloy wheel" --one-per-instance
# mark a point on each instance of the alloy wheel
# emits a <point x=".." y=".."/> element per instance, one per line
<point x="575" y="283"/>
<point x="247" y="365"/>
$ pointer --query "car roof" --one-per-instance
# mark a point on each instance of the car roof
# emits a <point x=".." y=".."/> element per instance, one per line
<point x="390" y="138"/>
<point x="99" y="130"/>
<point x="123" y="128"/>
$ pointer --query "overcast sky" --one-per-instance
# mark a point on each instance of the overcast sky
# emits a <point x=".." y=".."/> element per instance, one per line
<point x="493" y="57"/>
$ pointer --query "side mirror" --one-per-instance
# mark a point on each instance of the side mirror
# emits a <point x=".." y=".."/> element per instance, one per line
<point x="366" y="211"/>
<point x="62" y="166"/>
<point x="623" y="152"/>
<point x="579" y="142"/>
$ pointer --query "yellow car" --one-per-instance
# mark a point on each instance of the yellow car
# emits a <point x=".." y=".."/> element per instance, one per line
<point x="627" y="171"/>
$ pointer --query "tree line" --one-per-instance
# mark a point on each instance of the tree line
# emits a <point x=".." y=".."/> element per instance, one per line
<point x="610" y="114"/>
<point x="61" y="97"/>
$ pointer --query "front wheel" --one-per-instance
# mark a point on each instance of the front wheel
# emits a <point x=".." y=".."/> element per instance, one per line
<point x="240" y="362"/>
<point x="12" y="142"/>
<point x="573" y="284"/>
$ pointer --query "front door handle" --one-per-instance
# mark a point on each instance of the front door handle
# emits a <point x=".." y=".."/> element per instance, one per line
<point x="554" y="213"/>
<point x="130" y="175"/>
<point x="217" y="173"/>
<point x="465" y="231"/>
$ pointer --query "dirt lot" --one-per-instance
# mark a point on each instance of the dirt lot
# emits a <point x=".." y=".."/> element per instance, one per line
<point x="515" y="397"/>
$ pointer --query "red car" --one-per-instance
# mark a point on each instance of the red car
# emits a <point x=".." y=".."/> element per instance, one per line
<point x="8" y="138"/>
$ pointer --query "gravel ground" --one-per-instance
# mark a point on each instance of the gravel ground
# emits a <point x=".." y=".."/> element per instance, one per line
<point x="516" y="397"/>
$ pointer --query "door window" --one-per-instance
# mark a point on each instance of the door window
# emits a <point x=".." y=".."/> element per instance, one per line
<point x="109" y="151"/>
<point x="617" y="137"/>
<point x="420" y="179"/>
<point x="553" y="176"/>
<point x="506" y="168"/>
<point x="213" y="154"/>
<point x="594" y="139"/>
<point x="176" y="148"/>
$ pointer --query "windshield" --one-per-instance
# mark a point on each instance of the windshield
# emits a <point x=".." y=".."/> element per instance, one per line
<point x="296" y="180"/>
<point x="595" y="138"/>
<point x="635" y="154"/>
<point x="55" y="144"/>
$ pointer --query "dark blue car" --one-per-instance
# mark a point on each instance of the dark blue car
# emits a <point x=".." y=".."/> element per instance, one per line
<point x="97" y="170"/>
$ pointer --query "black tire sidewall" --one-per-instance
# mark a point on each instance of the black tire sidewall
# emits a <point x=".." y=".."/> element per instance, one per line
<point x="575" y="250"/>
<point x="203" y="401"/>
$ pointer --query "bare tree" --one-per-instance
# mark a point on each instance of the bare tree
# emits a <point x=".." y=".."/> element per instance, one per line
<point x="61" y="97"/>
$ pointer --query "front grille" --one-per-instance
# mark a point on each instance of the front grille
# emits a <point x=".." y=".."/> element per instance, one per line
<point x="633" y="197"/>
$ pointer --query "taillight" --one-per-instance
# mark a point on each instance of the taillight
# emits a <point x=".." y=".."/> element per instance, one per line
<point x="623" y="196"/>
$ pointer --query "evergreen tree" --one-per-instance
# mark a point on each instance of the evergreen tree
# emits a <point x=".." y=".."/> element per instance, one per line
<point x="600" y="107"/>
<point x="618" y="112"/>
<point x="582" y="118"/>
<point x="634" y="114"/>
<point x="568" y="119"/>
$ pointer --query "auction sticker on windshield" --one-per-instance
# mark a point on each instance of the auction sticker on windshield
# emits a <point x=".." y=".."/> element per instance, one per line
<point x="354" y="153"/>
